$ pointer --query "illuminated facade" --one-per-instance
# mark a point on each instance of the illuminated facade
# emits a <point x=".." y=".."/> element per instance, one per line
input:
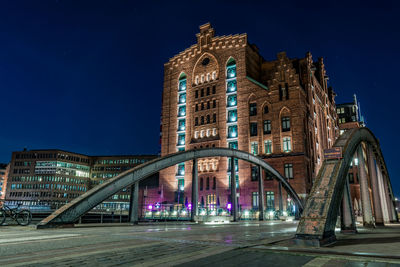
<point x="220" y="92"/>
<point x="43" y="177"/>
<point x="4" y="170"/>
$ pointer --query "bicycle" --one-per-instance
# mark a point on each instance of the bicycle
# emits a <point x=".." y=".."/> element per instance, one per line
<point x="22" y="217"/>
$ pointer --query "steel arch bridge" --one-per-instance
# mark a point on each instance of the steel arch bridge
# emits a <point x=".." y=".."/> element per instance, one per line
<point x="330" y="194"/>
<point x="71" y="212"/>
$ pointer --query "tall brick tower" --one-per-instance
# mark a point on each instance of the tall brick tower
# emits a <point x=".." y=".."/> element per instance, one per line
<point x="220" y="92"/>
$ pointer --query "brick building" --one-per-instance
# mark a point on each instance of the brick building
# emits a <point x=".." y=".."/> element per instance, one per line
<point x="221" y="92"/>
<point x="54" y="177"/>
<point x="4" y="170"/>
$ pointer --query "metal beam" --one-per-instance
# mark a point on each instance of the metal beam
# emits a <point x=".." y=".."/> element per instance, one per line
<point x="70" y="212"/>
<point x="260" y="194"/>
<point x="195" y="191"/>
<point x="233" y="190"/>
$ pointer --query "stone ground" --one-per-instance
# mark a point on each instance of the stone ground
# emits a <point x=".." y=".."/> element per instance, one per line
<point x="185" y="244"/>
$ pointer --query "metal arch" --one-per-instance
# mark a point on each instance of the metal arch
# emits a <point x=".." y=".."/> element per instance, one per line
<point x="72" y="211"/>
<point x="317" y="224"/>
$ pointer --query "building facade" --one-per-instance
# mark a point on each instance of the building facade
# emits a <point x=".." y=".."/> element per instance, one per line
<point x="4" y="170"/>
<point x="221" y="92"/>
<point x="54" y="177"/>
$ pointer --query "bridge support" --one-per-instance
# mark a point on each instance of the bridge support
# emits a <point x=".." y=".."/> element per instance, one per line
<point x="195" y="192"/>
<point x="385" y="212"/>
<point x="134" y="204"/>
<point x="368" y="220"/>
<point x="260" y="194"/>
<point x="374" y="186"/>
<point x="233" y="190"/>
<point x="280" y="197"/>
<point x="348" y="222"/>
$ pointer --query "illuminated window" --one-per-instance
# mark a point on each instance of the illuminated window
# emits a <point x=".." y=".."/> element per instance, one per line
<point x="181" y="125"/>
<point x="182" y="84"/>
<point x="268" y="146"/>
<point x="214" y="74"/>
<point x="182" y="98"/>
<point x="214" y="131"/>
<point x="254" y="148"/>
<point x="181" y="184"/>
<point x="288" y="170"/>
<point x="231" y="69"/>
<point x="232" y="131"/>
<point x="181" y="169"/>
<point x="233" y="145"/>
<point x="181" y="139"/>
<point x="231" y="101"/>
<point x="231" y="86"/>
<point x="237" y="180"/>
<point x="270" y="200"/>
<point x="236" y="165"/>
<point x="254" y="200"/>
<point x="287" y="146"/>
<point x="182" y="111"/>
<point x="232" y="115"/>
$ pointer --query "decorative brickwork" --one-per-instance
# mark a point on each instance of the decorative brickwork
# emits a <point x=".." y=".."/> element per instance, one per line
<point x="283" y="110"/>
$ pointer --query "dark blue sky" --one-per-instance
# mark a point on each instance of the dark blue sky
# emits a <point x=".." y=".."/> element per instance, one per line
<point x="86" y="76"/>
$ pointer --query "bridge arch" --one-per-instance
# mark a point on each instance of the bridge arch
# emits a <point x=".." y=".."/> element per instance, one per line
<point x="318" y="221"/>
<point x="70" y="212"/>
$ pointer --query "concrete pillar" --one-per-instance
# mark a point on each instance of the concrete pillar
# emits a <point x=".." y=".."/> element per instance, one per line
<point x="368" y="220"/>
<point x="233" y="190"/>
<point x="134" y="204"/>
<point x="348" y="222"/>
<point x="390" y="205"/>
<point x="382" y="193"/>
<point x="195" y="192"/>
<point x="280" y="197"/>
<point x="376" y="198"/>
<point x="260" y="193"/>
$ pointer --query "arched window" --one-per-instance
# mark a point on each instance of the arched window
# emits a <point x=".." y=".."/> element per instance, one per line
<point x="208" y="183"/>
<point x="208" y="118"/>
<point x="231" y="69"/>
<point x="266" y="110"/>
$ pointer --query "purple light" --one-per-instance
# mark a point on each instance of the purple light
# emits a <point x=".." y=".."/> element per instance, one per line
<point x="189" y="206"/>
<point x="229" y="206"/>
<point x="150" y="207"/>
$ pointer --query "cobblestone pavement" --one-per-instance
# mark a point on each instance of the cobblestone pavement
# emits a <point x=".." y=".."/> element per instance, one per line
<point x="253" y="244"/>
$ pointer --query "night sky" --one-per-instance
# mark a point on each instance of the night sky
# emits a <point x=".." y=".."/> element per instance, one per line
<point x="87" y="76"/>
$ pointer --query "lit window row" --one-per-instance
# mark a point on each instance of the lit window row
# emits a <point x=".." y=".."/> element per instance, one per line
<point x="205" y="77"/>
<point x="205" y="133"/>
<point x="181" y="128"/>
